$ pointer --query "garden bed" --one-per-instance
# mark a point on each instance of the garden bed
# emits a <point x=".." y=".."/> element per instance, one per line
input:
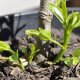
<point x="44" y="71"/>
<point x="45" y="56"/>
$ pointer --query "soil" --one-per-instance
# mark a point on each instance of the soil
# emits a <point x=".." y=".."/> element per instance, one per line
<point x="42" y="70"/>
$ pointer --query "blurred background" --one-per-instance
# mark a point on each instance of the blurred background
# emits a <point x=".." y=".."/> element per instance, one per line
<point x="73" y="3"/>
<point x="19" y="15"/>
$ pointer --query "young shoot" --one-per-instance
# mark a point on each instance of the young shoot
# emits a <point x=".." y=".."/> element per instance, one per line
<point x="43" y="35"/>
<point x="30" y="52"/>
<point x="69" y="22"/>
<point x="74" y="59"/>
<point x="14" y="55"/>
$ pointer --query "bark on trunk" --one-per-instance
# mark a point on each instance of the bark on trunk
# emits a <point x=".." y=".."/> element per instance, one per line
<point x="45" y="18"/>
<point x="45" y="15"/>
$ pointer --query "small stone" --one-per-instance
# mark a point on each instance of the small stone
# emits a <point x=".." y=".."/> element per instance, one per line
<point x="15" y="71"/>
<point x="7" y="70"/>
<point x="24" y="62"/>
<point x="1" y="76"/>
<point x="33" y="63"/>
<point x="40" y="58"/>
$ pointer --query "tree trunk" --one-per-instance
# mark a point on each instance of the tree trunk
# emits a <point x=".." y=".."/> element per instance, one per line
<point x="45" y="15"/>
<point x="45" y="18"/>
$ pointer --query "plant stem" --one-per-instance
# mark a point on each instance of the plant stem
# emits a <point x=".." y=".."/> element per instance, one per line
<point x="20" y="64"/>
<point x="57" y="43"/>
<point x="65" y="45"/>
<point x="11" y="51"/>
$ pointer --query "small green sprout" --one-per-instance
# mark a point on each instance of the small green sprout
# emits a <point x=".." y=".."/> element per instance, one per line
<point x="69" y="22"/>
<point x="44" y="35"/>
<point x="70" y="61"/>
<point x="74" y="59"/>
<point x="30" y="53"/>
<point x="14" y="55"/>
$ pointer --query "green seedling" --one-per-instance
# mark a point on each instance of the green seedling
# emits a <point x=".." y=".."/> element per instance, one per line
<point x="74" y="59"/>
<point x="14" y="55"/>
<point x="69" y="22"/>
<point x="44" y="35"/>
<point x="70" y="61"/>
<point x="30" y="52"/>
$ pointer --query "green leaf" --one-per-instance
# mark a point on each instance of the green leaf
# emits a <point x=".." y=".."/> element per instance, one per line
<point x="4" y="46"/>
<point x="75" y="60"/>
<point x="45" y="35"/>
<point x="14" y="57"/>
<point x="32" y="32"/>
<point x="64" y="9"/>
<point x="72" y="20"/>
<point x="57" y="3"/>
<point x="77" y="24"/>
<point x="70" y="61"/>
<point x="76" y="53"/>
<point x="32" y="53"/>
<point x="57" y="12"/>
<point x="32" y="47"/>
<point x="24" y="50"/>
<point x="67" y="61"/>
